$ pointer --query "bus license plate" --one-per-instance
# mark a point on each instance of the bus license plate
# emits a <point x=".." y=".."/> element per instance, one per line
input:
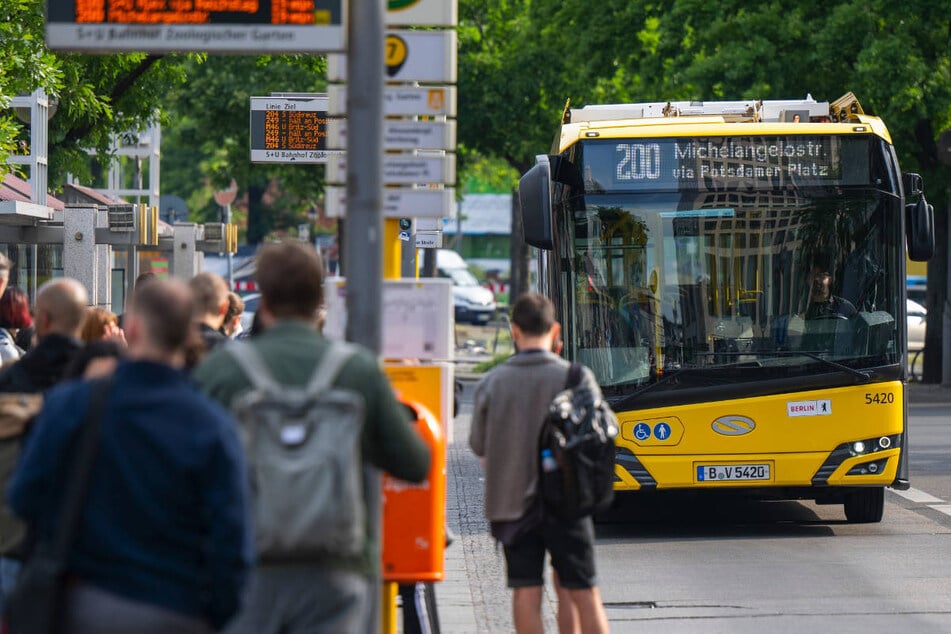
<point x="732" y="472"/>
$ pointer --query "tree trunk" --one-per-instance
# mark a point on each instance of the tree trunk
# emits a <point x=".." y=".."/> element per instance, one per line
<point x="518" y="277"/>
<point x="936" y="299"/>
<point x="258" y="222"/>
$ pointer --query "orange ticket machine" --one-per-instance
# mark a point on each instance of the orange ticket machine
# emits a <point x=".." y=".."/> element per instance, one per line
<point x="414" y="515"/>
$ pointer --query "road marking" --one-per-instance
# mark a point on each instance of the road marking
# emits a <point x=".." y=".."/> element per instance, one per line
<point x="919" y="497"/>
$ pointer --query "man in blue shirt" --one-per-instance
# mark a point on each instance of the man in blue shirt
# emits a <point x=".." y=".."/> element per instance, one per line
<point x="164" y="541"/>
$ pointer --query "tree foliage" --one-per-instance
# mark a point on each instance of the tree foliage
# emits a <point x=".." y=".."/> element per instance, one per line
<point x="25" y="64"/>
<point x="208" y="145"/>
<point x="97" y="96"/>
<point x="520" y="60"/>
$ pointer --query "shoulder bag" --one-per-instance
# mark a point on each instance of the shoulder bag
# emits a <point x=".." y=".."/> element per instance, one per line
<point x="36" y="603"/>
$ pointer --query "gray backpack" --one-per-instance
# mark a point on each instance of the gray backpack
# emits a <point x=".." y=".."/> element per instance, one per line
<point x="303" y="452"/>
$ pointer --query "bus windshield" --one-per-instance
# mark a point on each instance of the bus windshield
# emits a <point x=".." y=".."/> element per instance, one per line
<point x="733" y="284"/>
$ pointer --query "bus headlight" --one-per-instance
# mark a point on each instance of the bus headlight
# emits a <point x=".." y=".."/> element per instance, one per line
<point x="858" y="448"/>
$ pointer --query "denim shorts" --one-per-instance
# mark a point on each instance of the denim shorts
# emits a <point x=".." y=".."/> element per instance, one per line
<point x="570" y="545"/>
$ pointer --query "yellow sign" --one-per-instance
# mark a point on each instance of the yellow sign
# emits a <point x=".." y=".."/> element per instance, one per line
<point x="396" y="52"/>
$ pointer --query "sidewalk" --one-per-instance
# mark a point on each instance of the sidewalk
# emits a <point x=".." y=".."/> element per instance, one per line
<point x="473" y="597"/>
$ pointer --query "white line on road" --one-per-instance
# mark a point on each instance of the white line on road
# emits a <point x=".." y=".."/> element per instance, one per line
<point x="920" y="497"/>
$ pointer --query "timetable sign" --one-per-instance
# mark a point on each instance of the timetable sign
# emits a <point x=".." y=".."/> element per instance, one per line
<point x="289" y="130"/>
<point x="255" y="27"/>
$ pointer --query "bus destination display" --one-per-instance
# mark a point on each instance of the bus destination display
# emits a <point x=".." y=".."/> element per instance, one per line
<point x="724" y="163"/>
<point x="228" y="26"/>
<point x="289" y="130"/>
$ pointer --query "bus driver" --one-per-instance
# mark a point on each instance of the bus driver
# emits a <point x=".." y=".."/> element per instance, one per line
<point x="822" y="303"/>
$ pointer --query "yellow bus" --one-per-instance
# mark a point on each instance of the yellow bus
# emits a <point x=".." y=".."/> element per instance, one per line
<point x="734" y="275"/>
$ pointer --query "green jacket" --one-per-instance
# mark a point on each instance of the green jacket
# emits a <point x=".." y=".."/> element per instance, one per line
<point x="291" y="350"/>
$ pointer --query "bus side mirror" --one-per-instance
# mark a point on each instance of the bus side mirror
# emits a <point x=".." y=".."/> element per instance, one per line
<point x="534" y="197"/>
<point x="919" y="230"/>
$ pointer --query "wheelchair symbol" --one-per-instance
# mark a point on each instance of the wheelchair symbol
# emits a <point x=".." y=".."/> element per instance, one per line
<point x="642" y="431"/>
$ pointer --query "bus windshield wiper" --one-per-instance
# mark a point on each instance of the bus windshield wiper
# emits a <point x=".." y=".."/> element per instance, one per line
<point x="667" y="378"/>
<point x="863" y="375"/>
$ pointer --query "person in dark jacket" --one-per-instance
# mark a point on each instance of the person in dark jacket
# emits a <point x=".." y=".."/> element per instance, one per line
<point x="164" y="542"/>
<point x="59" y="310"/>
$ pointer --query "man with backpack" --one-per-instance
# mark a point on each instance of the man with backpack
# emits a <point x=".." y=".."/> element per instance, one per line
<point x="308" y="409"/>
<point x="511" y="404"/>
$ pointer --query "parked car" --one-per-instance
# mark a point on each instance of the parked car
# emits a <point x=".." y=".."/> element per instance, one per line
<point x="917" y="315"/>
<point x="471" y="302"/>
<point x="251" y="302"/>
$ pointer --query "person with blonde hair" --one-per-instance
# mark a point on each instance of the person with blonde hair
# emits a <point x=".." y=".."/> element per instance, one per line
<point x="101" y="324"/>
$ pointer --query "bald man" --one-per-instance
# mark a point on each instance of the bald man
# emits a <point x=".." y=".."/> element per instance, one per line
<point x="59" y="310"/>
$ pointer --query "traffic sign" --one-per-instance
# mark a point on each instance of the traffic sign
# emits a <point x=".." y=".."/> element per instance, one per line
<point x="400" y="101"/>
<point x="402" y="170"/>
<point x="401" y="135"/>
<point x="410" y="56"/>
<point x="214" y="26"/>
<point x="422" y="12"/>
<point x="225" y="197"/>
<point x="398" y="202"/>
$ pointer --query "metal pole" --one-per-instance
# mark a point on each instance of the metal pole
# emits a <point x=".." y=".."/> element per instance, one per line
<point x="230" y="255"/>
<point x="363" y="253"/>
<point x="946" y="321"/>
<point x="364" y="235"/>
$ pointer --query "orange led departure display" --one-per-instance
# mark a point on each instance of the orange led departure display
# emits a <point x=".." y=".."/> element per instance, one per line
<point x="303" y="12"/>
<point x="252" y="27"/>
<point x="285" y="130"/>
<point x="289" y="129"/>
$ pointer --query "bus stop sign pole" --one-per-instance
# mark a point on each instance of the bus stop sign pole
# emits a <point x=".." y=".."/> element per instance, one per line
<point x="363" y="239"/>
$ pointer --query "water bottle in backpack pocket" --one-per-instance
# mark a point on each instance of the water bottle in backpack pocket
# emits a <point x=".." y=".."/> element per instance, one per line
<point x="577" y="439"/>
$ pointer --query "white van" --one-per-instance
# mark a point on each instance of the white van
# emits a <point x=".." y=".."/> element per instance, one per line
<point x="472" y="303"/>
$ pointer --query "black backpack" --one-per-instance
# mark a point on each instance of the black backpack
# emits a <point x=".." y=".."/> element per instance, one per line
<point x="577" y="478"/>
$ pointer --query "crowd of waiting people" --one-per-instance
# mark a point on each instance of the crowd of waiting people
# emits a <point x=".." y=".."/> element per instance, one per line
<point x="165" y="542"/>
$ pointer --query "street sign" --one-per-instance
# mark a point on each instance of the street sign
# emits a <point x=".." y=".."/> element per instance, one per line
<point x="410" y="56"/>
<point x="431" y="223"/>
<point x="401" y="170"/>
<point x="398" y="202"/>
<point x="429" y="239"/>
<point x="289" y="130"/>
<point x="214" y="26"/>
<point x="401" y="135"/>
<point x="418" y="317"/>
<point x="400" y="101"/>
<point x="422" y="12"/>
